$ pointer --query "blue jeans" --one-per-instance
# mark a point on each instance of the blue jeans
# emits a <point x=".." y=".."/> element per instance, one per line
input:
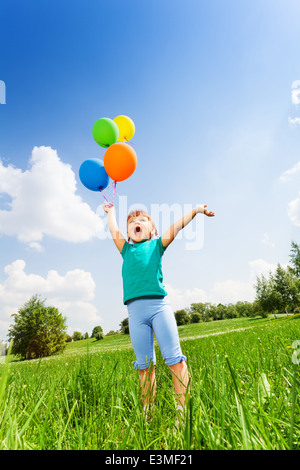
<point x="153" y="314"/>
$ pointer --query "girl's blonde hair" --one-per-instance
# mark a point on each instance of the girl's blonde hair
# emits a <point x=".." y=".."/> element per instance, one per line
<point x="140" y="212"/>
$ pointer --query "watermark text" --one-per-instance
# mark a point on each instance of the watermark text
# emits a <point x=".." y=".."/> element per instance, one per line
<point x="163" y="216"/>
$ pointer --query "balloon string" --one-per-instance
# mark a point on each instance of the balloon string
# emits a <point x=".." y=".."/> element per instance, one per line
<point x="114" y="190"/>
<point x="114" y="193"/>
<point x="131" y="143"/>
<point x="104" y="196"/>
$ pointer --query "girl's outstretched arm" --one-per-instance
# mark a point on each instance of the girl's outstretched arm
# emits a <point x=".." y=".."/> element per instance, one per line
<point x="113" y="226"/>
<point x="171" y="233"/>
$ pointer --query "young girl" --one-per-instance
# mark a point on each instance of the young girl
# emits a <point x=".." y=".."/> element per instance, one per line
<point x="145" y="297"/>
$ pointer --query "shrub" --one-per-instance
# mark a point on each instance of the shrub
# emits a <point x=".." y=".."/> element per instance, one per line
<point x="195" y="317"/>
<point x="182" y="317"/>
<point x="77" y="336"/>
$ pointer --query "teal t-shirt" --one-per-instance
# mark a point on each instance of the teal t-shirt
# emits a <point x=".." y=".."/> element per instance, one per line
<point x="142" y="270"/>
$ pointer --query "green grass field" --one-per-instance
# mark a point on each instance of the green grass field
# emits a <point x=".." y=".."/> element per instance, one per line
<point x="244" y="395"/>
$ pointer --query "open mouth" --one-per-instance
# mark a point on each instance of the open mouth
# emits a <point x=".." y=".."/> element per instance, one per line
<point x="137" y="229"/>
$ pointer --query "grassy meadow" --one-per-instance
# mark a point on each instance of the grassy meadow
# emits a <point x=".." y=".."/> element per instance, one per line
<point x="244" y="394"/>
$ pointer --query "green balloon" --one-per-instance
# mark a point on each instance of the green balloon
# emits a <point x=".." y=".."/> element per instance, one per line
<point x="105" y="132"/>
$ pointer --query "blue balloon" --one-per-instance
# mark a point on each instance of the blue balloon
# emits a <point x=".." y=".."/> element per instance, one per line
<point x="92" y="174"/>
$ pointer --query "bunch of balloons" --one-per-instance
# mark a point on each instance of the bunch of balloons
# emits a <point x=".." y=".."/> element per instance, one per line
<point x="119" y="160"/>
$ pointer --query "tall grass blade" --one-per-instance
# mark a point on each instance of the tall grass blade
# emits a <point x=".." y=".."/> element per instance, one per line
<point x="4" y="374"/>
<point x="241" y="408"/>
<point x="291" y="434"/>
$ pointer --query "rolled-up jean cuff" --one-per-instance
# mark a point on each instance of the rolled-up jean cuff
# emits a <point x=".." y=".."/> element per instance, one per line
<point x="175" y="360"/>
<point x="143" y="366"/>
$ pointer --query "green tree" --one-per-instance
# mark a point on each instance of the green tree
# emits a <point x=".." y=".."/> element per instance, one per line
<point x="295" y="259"/>
<point x="77" y="336"/>
<point x="221" y="311"/>
<point x="124" y="326"/>
<point x="201" y="308"/>
<point x="99" y="335"/>
<point x="181" y="317"/>
<point x="280" y="292"/>
<point x="287" y="285"/>
<point x="266" y="294"/>
<point x="214" y="313"/>
<point x="111" y="333"/>
<point x="97" y="332"/>
<point x="244" y="309"/>
<point x="230" y="311"/>
<point x="38" y="331"/>
<point x="195" y="317"/>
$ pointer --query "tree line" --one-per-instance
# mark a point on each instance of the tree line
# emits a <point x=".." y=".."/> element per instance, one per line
<point x="278" y="292"/>
<point x="205" y="312"/>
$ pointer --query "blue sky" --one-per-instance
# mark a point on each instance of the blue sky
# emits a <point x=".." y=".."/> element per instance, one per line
<point x="212" y="88"/>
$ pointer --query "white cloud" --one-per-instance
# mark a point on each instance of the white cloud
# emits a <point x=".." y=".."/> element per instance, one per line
<point x="231" y="291"/>
<point x="294" y="121"/>
<point x="259" y="267"/>
<point x="44" y="202"/>
<point x="71" y="293"/>
<point x="294" y="211"/>
<point x="267" y="241"/>
<point x="180" y="299"/>
<point x="295" y="100"/>
<point x="296" y="92"/>
<point x="288" y="175"/>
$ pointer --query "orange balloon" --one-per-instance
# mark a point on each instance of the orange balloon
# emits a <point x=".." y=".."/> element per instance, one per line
<point x="120" y="161"/>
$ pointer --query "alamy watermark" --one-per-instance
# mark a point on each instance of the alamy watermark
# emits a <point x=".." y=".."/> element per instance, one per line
<point x="163" y="216"/>
<point x="2" y="92"/>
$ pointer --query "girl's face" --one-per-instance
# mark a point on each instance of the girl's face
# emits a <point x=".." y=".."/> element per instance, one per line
<point x="139" y="228"/>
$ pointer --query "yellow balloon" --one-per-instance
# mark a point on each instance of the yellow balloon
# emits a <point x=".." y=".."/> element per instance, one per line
<point x="126" y="128"/>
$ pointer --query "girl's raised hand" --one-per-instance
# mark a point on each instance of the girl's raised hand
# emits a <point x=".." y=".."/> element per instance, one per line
<point x="107" y="206"/>
<point x="208" y="213"/>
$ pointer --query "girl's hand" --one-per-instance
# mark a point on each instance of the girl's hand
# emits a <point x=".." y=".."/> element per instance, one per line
<point x="107" y="206"/>
<point x="206" y="212"/>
